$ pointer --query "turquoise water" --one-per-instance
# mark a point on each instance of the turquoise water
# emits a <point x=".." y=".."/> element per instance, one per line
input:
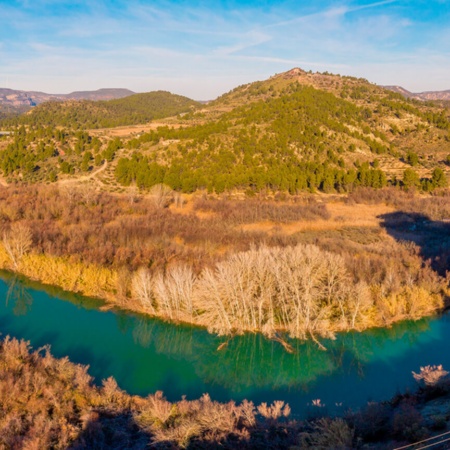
<point x="145" y="355"/>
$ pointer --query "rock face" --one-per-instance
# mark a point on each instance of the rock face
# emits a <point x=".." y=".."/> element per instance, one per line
<point x="13" y="98"/>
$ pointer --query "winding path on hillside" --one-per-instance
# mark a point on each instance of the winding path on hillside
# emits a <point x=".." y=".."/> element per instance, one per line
<point x="83" y="178"/>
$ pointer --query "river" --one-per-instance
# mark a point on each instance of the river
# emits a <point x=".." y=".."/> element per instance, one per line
<point x="145" y="355"/>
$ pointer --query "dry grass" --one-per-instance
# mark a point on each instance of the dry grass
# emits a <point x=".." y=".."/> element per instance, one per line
<point x="214" y="271"/>
<point x="131" y="130"/>
<point x="342" y="215"/>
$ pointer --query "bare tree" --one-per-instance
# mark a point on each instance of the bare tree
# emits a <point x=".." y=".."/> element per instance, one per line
<point x="88" y="193"/>
<point x="133" y="194"/>
<point x="359" y="302"/>
<point x="17" y="242"/>
<point x="297" y="289"/>
<point x="142" y="289"/>
<point x="161" y="195"/>
<point x="69" y="191"/>
<point x="173" y="292"/>
<point x="178" y="199"/>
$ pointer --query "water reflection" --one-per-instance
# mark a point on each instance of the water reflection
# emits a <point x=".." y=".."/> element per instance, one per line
<point x="146" y="355"/>
<point x="18" y="297"/>
<point x="252" y="360"/>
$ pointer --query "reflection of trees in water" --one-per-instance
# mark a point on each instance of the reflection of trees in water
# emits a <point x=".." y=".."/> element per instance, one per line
<point x="249" y="360"/>
<point x="124" y="322"/>
<point x="360" y="348"/>
<point x="252" y="360"/>
<point x="18" y="296"/>
<point x="168" y="339"/>
<point x="52" y="291"/>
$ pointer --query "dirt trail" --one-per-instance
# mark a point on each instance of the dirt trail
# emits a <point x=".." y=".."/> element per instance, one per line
<point x="84" y="177"/>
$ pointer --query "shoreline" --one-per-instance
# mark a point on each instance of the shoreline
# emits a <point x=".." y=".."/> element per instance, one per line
<point x="100" y="284"/>
<point x="59" y="392"/>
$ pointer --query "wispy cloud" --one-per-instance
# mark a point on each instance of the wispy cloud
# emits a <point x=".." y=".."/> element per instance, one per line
<point x="201" y="51"/>
<point x="333" y="12"/>
<point x="293" y="62"/>
<point x="250" y="39"/>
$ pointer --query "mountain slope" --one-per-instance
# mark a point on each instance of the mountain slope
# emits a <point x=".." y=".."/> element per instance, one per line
<point x="99" y="94"/>
<point x="428" y="95"/>
<point x="294" y="131"/>
<point x="134" y="109"/>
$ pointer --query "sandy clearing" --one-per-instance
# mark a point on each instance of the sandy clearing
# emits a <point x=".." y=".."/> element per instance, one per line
<point x="342" y="215"/>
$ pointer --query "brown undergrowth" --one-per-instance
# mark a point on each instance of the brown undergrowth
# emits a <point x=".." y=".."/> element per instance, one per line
<point x="52" y="403"/>
<point x="209" y="272"/>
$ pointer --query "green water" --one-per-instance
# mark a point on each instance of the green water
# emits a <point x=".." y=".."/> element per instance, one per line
<point x="146" y="355"/>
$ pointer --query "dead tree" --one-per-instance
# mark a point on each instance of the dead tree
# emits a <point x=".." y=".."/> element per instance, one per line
<point x="17" y="242"/>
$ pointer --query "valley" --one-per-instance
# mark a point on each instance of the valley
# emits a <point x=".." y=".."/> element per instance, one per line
<point x="307" y="213"/>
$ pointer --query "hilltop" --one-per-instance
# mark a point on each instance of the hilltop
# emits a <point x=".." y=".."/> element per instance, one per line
<point x="295" y="131"/>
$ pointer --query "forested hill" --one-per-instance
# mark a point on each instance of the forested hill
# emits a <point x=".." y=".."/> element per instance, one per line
<point x="295" y="131"/>
<point x="8" y="111"/>
<point x="86" y="114"/>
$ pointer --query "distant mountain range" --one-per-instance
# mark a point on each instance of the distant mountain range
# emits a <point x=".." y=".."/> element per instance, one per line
<point x="17" y="99"/>
<point x="429" y="95"/>
<point x="23" y="100"/>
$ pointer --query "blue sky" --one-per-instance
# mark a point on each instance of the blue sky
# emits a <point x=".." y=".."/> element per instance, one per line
<point x="203" y="48"/>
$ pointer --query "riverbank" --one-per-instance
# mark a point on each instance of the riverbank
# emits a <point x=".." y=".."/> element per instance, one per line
<point x="52" y="403"/>
<point x="215" y="265"/>
<point x="256" y="291"/>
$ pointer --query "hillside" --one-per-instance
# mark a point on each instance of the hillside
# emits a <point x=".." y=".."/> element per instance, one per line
<point x="8" y="111"/>
<point x="99" y="94"/>
<point x="85" y="114"/>
<point x="297" y="131"/>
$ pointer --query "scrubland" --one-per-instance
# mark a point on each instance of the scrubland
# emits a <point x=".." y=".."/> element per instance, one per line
<point x="197" y="262"/>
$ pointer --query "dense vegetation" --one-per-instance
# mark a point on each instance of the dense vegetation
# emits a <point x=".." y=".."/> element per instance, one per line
<point x="212" y="272"/>
<point x="278" y="144"/>
<point x="44" y="153"/>
<point x="293" y="139"/>
<point x="134" y="109"/>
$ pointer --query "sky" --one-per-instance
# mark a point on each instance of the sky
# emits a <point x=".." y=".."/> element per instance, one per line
<point x="203" y="49"/>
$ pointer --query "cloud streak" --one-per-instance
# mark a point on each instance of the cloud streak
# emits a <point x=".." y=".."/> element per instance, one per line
<point x="202" y="51"/>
